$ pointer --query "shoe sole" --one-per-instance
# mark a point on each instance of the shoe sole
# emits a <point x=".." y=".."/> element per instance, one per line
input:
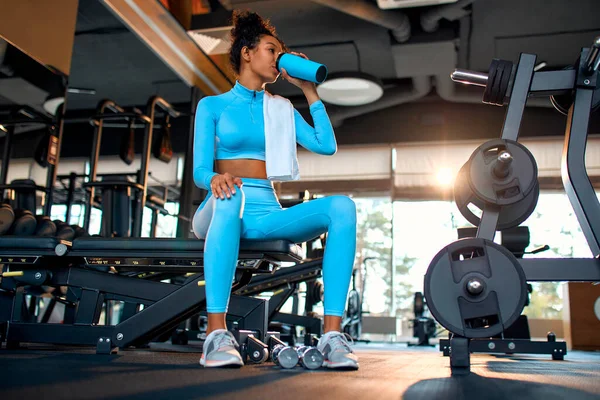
<point x="224" y="363"/>
<point x="344" y="364"/>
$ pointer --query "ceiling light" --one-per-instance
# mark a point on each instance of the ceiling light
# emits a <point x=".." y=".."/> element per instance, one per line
<point x="76" y="90"/>
<point x="350" y="89"/>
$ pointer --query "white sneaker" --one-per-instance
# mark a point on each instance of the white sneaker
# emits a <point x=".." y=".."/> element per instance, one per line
<point x="220" y="349"/>
<point x="337" y="352"/>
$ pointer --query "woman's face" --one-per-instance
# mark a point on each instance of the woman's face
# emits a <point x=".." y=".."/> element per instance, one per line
<point x="264" y="58"/>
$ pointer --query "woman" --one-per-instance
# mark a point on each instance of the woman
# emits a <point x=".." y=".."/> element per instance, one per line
<point x="230" y="129"/>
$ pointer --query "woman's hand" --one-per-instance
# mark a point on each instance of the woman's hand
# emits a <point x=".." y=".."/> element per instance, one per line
<point x="224" y="185"/>
<point x="300" y="83"/>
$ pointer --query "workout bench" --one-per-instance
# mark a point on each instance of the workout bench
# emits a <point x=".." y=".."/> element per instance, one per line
<point x="88" y="266"/>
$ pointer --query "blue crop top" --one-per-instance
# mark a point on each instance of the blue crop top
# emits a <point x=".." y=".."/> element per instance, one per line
<point x="231" y="126"/>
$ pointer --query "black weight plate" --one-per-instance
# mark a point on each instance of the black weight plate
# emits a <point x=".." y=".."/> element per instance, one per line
<point x="521" y="179"/>
<point x="510" y="216"/>
<point x="506" y="75"/>
<point x="499" y="76"/>
<point x="496" y="308"/>
<point x="496" y="97"/>
<point x="492" y="72"/>
<point x="354" y="329"/>
<point x="317" y="292"/>
<point x="563" y="102"/>
<point x="353" y="308"/>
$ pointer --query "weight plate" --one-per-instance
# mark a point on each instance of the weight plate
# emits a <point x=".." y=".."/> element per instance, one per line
<point x="492" y="76"/>
<point x="353" y="304"/>
<point x="315" y="292"/>
<point x="563" y="102"/>
<point x="506" y="76"/>
<point x="354" y="329"/>
<point x="521" y="175"/>
<point x="496" y="97"/>
<point x="510" y="216"/>
<point x="500" y="282"/>
<point x="499" y="76"/>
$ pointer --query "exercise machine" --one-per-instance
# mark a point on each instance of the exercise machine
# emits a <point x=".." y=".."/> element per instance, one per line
<point x="22" y="193"/>
<point x="474" y="287"/>
<point x="423" y="326"/>
<point x="352" y="318"/>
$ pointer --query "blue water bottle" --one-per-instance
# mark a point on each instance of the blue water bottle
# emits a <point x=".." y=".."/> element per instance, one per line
<point x="302" y="68"/>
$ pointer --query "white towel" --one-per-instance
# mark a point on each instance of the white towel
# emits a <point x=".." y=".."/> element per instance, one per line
<point x="280" y="139"/>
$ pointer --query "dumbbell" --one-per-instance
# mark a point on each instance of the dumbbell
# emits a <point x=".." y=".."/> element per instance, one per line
<point x="64" y="231"/>
<point x="7" y="217"/>
<point x="285" y="356"/>
<point x="24" y="224"/>
<point x="310" y="357"/>
<point x="79" y="231"/>
<point x="45" y="226"/>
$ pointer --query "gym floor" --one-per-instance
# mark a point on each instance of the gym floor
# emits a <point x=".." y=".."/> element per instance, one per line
<point x="388" y="371"/>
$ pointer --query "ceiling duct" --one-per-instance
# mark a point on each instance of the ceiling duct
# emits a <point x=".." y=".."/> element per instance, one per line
<point x="395" y="21"/>
<point x="452" y="12"/>
<point x="418" y="88"/>
<point x="441" y="61"/>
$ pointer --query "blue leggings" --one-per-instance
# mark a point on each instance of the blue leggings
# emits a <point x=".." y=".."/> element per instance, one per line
<point x="254" y="212"/>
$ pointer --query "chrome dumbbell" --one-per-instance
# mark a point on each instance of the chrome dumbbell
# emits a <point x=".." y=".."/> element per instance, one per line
<point x="284" y="356"/>
<point x="310" y="357"/>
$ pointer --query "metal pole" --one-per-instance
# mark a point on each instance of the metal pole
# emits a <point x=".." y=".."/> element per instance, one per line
<point x="98" y="122"/>
<point x="10" y="130"/>
<point x="141" y="202"/>
<point x="53" y="159"/>
<point x="189" y="191"/>
<point x="70" y="193"/>
<point x="469" y="77"/>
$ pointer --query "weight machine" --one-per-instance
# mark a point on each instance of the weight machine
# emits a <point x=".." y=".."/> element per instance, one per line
<point x="476" y="288"/>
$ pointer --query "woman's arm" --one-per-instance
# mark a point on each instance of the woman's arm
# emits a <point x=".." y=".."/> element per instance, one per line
<point x="204" y="144"/>
<point x="321" y="138"/>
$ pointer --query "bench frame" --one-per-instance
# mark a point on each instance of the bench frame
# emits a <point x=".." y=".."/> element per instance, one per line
<point x="151" y="308"/>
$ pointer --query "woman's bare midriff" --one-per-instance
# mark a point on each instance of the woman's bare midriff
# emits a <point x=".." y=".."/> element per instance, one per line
<point x="243" y="168"/>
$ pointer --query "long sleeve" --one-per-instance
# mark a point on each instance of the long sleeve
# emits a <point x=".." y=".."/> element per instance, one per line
<point x="321" y="138"/>
<point x="204" y="145"/>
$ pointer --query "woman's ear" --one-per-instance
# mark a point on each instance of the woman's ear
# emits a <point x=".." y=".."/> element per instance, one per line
<point x="246" y="53"/>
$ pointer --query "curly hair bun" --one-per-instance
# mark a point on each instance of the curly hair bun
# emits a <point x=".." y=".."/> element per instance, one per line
<point x="248" y="28"/>
<point x="248" y="24"/>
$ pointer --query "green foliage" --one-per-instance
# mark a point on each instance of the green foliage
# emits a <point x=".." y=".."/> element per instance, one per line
<point x="374" y="239"/>
<point x="545" y="301"/>
<point x="404" y="290"/>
